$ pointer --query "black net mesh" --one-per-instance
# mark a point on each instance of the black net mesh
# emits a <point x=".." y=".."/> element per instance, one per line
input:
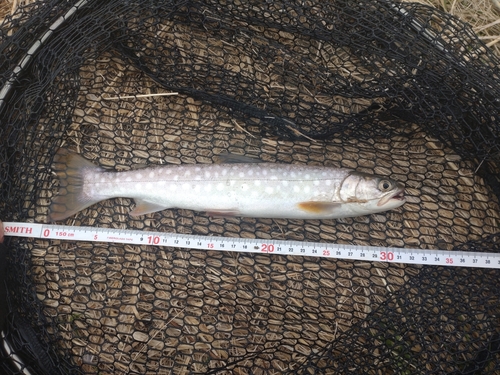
<point x="401" y="90"/>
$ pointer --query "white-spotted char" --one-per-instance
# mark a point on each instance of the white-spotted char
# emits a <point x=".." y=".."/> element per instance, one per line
<point x="264" y="190"/>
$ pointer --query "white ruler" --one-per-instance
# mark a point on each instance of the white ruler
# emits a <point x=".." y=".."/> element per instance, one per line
<point x="252" y="245"/>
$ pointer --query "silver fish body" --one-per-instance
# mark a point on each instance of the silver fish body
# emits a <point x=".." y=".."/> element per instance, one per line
<point x="262" y="190"/>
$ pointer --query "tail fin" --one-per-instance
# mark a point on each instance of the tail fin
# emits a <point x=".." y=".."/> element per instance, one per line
<point x="71" y="169"/>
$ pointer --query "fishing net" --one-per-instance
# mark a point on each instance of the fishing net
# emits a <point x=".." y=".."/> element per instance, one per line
<point x="396" y="89"/>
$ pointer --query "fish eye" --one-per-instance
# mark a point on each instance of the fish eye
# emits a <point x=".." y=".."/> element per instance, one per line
<point x="384" y="185"/>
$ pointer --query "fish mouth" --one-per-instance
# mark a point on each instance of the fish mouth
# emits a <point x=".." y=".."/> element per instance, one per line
<point x="399" y="195"/>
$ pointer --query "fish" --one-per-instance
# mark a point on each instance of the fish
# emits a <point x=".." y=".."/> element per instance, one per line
<point x="260" y="190"/>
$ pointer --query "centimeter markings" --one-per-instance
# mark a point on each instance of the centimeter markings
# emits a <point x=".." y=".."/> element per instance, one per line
<point x="252" y="245"/>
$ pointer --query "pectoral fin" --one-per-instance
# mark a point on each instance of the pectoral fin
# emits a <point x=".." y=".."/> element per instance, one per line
<point x="145" y="207"/>
<point x="223" y="213"/>
<point x="318" y="207"/>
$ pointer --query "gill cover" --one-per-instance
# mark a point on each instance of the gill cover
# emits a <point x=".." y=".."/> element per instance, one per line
<point x="353" y="190"/>
<point x="360" y="187"/>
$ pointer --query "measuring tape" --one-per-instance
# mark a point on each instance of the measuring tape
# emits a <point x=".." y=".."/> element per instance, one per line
<point x="252" y="245"/>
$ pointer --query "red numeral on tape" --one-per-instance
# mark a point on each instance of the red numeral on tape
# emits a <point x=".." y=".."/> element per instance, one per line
<point x="155" y="240"/>
<point x="267" y="247"/>
<point x="386" y="255"/>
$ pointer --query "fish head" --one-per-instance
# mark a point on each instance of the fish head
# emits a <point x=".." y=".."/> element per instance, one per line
<point x="371" y="193"/>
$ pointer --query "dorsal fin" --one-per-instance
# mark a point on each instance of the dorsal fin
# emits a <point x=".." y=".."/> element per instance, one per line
<point x="236" y="158"/>
<point x="139" y="166"/>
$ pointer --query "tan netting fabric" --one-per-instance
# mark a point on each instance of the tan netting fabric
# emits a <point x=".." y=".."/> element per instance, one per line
<point x="399" y="90"/>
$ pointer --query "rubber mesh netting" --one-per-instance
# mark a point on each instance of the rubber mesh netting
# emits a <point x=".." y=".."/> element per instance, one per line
<point x="400" y="90"/>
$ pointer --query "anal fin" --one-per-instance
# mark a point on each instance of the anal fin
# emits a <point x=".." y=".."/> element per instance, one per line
<point x="144" y="207"/>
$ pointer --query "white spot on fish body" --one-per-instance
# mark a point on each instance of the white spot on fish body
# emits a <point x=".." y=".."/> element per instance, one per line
<point x="241" y="174"/>
<point x="197" y="169"/>
<point x="162" y="182"/>
<point x="244" y="187"/>
<point x="323" y="173"/>
<point x="256" y="183"/>
<point x="187" y="173"/>
<point x="250" y="172"/>
<point x="307" y="189"/>
<point x="296" y="189"/>
<point x="149" y="185"/>
<point x="316" y="183"/>
<point x="224" y="172"/>
<point x="328" y="182"/>
<point x="307" y="176"/>
<point x="128" y="179"/>
<point x="185" y="186"/>
<point x="207" y="174"/>
<point x="269" y="190"/>
<point x="293" y="174"/>
<point x="139" y="176"/>
<point x="197" y="188"/>
<point x="264" y="172"/>
<point x="208" y="187"/>
<point x="151" y="174"/>
<point x="284" y="183"/>
<point x="220" y="186"/>
<point x="254" y="194"/>
<point x="138" y="186"/>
